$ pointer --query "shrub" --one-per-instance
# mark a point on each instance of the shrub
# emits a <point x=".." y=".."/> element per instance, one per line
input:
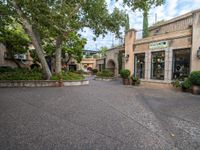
<point x="125" y="73"/>
<point x="135" y="80"/>
<point x="105" y="73"/>
<point x="94" y="71"/>
<point x="186" y="84"/>
<point x="21" y="74"/>
<point x="6" y="69"/>
<point x="67" y="76"/>
<point x="195" y="78"/>
<point x="81" y="72"/>
<point x="176" y="83"/>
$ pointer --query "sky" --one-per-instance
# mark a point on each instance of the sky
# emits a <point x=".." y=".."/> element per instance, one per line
<point x="171" y="9"/>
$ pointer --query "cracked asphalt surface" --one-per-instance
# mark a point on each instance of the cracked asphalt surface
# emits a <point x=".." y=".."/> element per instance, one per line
<point x="103" y="115"/>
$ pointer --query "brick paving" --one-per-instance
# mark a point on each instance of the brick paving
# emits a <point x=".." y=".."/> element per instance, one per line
<point x="103" y="115"/>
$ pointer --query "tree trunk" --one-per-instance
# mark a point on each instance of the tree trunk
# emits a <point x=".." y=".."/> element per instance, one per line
<point x="58" y="54"/>
<point x="16" y="62"/>
<point x="145" y="25"/>
<point x="38" y="48"/>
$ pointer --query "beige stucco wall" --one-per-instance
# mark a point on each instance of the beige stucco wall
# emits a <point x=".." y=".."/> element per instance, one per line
<point x="129" y="42"/>
<point x="89" y="62"/>
<point x="195" y="62"/>
<point x="173" y="25"/>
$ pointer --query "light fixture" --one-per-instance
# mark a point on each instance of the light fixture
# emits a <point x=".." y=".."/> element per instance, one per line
<point x="198" y="53"/>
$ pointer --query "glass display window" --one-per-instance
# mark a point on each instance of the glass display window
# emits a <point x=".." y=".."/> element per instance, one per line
<point x="158" y="65"/>
<point x="139" y="67"/>
<point x="181" y="64"/>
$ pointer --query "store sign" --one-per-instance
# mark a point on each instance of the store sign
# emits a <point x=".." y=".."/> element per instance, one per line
<point x="158" y="45"/>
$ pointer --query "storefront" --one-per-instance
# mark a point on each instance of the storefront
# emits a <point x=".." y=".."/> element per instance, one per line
<point x="170" y="52"/>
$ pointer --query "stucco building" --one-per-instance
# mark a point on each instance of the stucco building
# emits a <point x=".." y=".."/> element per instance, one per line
<point x="169" y="52"/>
<point x="113" y="60"/>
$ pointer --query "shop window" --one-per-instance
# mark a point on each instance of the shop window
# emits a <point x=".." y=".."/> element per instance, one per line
<point x="139" y="65"/>
<point x="181" y="64"/>
<point x="158" y="65"/>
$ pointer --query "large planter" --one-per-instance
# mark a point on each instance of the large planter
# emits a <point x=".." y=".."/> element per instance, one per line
<point x="196" y="89"/>
<point x="186" y="90"/>
<point x="126" y="81"/>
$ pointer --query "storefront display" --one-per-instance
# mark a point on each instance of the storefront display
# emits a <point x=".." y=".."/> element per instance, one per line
<point x="181" y="64"/>
<point x="158" y="65"/>
<point x="140" y="65"/>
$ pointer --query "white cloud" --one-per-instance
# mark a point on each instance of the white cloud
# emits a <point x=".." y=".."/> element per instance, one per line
<point x="171" y="5"/>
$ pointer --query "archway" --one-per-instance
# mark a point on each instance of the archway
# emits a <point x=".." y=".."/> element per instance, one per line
<point x="111" y="66"/>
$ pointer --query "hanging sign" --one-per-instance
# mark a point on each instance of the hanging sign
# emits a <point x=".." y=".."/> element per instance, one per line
<point x="158" y="45"/>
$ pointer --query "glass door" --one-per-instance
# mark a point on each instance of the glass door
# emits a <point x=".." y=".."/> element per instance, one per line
<point x="139" y="66"/>
<point x="158" y="65"/>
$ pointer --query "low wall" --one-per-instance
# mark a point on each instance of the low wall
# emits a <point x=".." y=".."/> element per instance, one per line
<point x="159" y="85"/>
<point x="104" y="79"/>
<point x="41" y="83"/>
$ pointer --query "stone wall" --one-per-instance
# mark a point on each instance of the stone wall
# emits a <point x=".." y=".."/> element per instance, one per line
<point x="180" y="23"/>
<point x="41" y="83"/>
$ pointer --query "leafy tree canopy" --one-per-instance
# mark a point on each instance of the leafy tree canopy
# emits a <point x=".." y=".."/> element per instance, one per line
<point x="143" y="5"/>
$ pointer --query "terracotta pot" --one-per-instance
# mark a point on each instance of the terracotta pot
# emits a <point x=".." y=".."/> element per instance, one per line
<point x="60" y="83"/>
<point x="126" y="81"/>
<point x="186" y="90"/>
<point x="196" y="89"/>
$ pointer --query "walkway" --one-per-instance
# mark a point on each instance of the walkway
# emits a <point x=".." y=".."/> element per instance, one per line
<point x="103" y="115"/>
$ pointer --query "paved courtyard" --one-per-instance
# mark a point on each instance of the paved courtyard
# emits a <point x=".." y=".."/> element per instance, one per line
<point x="103" y="115"/>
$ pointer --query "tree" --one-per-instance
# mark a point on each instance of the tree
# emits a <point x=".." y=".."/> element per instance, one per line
<point x="75" y="15"/>
<point x="127" y="26"/>
<point x="74" y="47"/>
<point x="15" y="40"/>
<point x="27" y="16"/>
<point x="145" y="6"/>
<point x="103" y="51"/>
<point x="57" y="18"/>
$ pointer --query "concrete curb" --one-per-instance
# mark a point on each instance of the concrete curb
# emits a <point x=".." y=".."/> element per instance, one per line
<point x="41" y="83"/>
<point x="104" y="79"/>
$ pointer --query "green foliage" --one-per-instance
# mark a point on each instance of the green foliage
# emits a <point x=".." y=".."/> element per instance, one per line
<point x="186" y="84"/>
<point x="20" y="74"/>
<point x="195" y="78"/>
<point x="127" y="25"/>
<point x="105" y="73"/>
<point x="94" y="71"/>
<point x="15" y="39"/>
<point x="69" y="76"/>
<point x="103" y="50"/>
<point x="135" y="80"/>
<point x="125" y="73"/>
<point x="145" y="6"/>
<point x="145" y="32"/>
<point x="176" y="83"/>
<point x="74" y="46"/>
<point x="82" y="72"/>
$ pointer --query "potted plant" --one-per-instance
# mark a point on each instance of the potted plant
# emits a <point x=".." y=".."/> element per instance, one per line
<point x="186" y="85"/>
<point x="125" y="74"/>
<point x="135" y="81"/>
<point x="195" y="80"/>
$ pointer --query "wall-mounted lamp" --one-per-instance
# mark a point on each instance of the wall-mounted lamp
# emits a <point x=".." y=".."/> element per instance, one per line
<point x="198" y="53"/>
<point x="127" y="57"/>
